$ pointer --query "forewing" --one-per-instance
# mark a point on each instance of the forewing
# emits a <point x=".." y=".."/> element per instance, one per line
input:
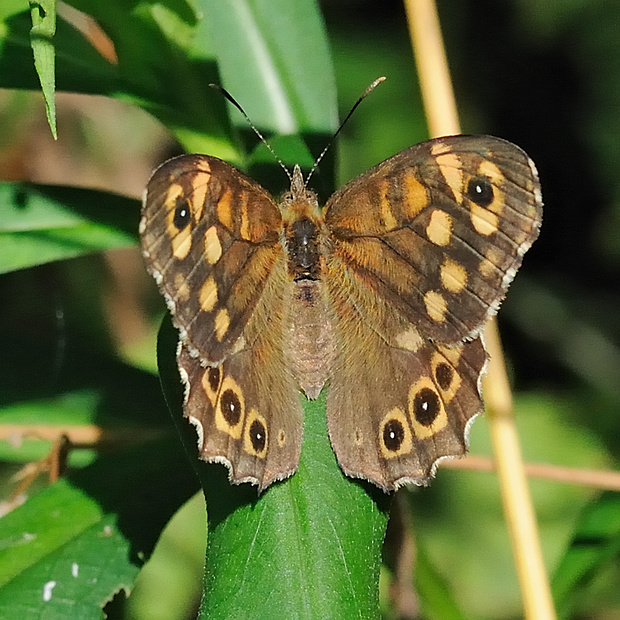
<point x="210" y="237"/>
<point x="430" y="239"/>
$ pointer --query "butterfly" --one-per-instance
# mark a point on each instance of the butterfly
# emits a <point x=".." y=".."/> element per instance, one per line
<point x="379" y="298"/>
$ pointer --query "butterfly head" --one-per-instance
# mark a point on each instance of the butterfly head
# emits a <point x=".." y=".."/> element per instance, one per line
<point x="299" y="201"/>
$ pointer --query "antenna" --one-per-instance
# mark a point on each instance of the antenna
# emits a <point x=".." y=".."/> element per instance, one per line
<point x="347" y="117"/>
<point x="331" y="141"/>
<point x="230" y="98"/>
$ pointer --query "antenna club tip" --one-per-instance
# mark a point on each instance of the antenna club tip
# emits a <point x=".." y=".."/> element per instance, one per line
<point x="373" y="86"/>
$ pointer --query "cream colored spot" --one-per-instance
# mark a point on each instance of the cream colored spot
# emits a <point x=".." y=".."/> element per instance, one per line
<point x="395" y="435"/>
<point x="416" y="198"/>
<point x="491" y="171"/>
<point x="386" y="209"/>
<point x="486" y="269"/>
<point x="450" y="167"/>
<point x="224" y="210"/>
<point x="203" y="165"/>
<point x="213" y="247"/>
<point x="439" y="148"/>
<point x="439" y="229"/>
<point x="436" y="306"/>
<point x="181" y="286"/>
<point x="182" y="243"/>
<point x="174" y="191"/>
<point x="358" y="437"/>
<point x="281" y="438"/>
<point x="222" y="322"/>
<point x="452" y="354"/>
<point x="244" y="231"/>
<point x="200" y="185"/>
<point x="484" y="221"/>
<point x="453" y="276"/>
<point x="208" y="295"/>
<point x="410" y="339"/>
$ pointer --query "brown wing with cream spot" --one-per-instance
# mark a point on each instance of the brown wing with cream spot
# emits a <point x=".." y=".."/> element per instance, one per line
<point x="431" y="238"/>
<point x="210" y="236"/>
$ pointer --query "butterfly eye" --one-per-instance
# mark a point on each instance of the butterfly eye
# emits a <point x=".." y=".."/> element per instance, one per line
<point x="480" y="191"/>
<point x="231" y="407"/>
<point x="393" y="435"/>
<point x="426" y="406"/>
<point x="182" y="214"/>
<point x="258" y="435"/>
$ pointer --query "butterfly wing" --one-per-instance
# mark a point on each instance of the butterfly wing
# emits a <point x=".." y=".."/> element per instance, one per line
<point x="393" y="414"/>
<point x="210" y="237"/>
<point x="423" y="249"/>
<point x="437" y="233"/>
<point x="246" y="411"/>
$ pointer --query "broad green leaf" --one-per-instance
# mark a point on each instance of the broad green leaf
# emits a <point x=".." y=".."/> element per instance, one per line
<point x="43" y="15"/>
<point x="595" y="545"/>
<point x="274" y="58"/>
<point x="100" y="525"/>
<point x="308" y="547"/>
<point x="39" y="224"/>
<point x="166" y="61"/>
<point x="157" y="71"/>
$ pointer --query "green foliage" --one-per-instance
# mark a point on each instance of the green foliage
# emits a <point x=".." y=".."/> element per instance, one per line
<point x="310" y="546"/>
<point x="43" y="15"/>
<point x="41" y="224"/>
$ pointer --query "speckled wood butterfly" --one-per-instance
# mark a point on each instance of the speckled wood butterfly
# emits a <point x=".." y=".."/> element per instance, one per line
<point x="380" y="297"/>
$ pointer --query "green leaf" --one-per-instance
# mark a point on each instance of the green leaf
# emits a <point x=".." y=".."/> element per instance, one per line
<point x="595" y="544"/>
<point x="281" y="42"/>
<point x="436" y="598"/>
<point x="43" y="14"/>
<point x="39" y="224"/>
<point x="100" y="526"/>
<point x="91" y="532"/>
<point x="274" y="54"/>
<point x="80" y="69"/>
<point x="308" y="547"/>
<point x="169" y="84"/>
